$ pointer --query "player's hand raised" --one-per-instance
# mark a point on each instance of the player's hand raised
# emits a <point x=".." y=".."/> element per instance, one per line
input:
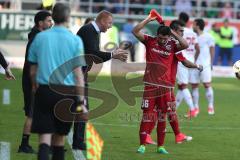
<point x="120" y="54"/>
<point x="149" y="18"/>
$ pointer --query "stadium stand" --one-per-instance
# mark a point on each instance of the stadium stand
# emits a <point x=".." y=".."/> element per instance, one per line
<point x="214" y="12"/>
<point x="196" y="8"/>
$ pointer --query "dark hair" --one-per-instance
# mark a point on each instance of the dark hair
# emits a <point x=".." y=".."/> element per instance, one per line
<point x="61" y="13"/>
<point x="88" y="20"/>
<point x="175" y="24"/>
<point x="200" y="23"/>
<point x="163" y="30"/>
<point x="41" y="16"/>
<point x="184" y="17"/>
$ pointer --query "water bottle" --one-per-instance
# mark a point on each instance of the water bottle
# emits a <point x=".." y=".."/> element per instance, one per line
<point x="6" y="96"/>
<point x="4" y="151"/>
<point x="154" y="13"/>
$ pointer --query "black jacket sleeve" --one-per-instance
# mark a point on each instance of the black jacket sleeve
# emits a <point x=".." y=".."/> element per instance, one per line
<point x="26" y="79"/>
<point x="91" y="42"/>
<point x="3" y="62"/>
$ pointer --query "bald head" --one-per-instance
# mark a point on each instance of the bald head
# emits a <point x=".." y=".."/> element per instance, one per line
<point x="103" y="14"/>
<point x="104" y="20"/>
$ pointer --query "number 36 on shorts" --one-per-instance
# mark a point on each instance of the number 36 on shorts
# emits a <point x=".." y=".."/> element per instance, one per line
<point x="145" y="103"/>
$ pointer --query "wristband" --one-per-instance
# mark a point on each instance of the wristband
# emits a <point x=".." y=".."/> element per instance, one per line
<point x="79" y="101"/>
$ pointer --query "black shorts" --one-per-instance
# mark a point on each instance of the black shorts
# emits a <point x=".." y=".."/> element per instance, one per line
<point x="28" y="98"/>
<point x="46" y="117"/>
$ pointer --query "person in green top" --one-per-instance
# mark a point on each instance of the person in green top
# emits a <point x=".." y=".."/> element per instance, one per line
<point x="226" y="42"/>
<point x="214" y="32"/>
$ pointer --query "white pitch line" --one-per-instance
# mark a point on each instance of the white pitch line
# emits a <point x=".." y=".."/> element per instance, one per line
<point x="194" y="128"/>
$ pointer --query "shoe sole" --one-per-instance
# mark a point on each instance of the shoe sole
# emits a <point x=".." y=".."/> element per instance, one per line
<point x="151" y="143"/>
<point x="211" y="113"/>
<point x="187" y="139"/>
<point x="162" y="153"/>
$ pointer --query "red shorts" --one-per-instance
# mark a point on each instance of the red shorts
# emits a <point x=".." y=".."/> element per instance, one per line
<point x="158" y="99"/>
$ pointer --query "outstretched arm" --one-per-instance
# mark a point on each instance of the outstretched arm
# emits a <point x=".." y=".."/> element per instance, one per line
<point x="3" y="62"/>
<point x="5" y="65"/>
<point x="8" y="74"/>
<point x="189" y="64"/>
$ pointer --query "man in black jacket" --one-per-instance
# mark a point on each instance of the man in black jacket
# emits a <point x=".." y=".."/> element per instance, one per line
<point x="90" y="34"/>
<point x="5" y="65"/>
<point x="43" y="21"/>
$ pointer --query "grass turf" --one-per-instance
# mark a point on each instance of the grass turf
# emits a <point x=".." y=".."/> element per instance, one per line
<point x="214" y="137"/>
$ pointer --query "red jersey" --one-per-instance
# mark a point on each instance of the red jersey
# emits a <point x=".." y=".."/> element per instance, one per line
<point x="161" y="67"/>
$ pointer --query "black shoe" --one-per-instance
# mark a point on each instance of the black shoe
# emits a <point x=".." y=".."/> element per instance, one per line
<point x="26" y="149"/>
<point x="81" y="146"/>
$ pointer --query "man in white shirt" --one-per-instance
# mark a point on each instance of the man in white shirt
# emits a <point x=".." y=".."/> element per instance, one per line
<point x="183" y="73"/>
<point x="205" y="58"/>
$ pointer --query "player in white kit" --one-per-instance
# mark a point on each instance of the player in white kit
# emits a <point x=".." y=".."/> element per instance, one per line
<point x="205" y="58"/>
<point x="183" y="73"/>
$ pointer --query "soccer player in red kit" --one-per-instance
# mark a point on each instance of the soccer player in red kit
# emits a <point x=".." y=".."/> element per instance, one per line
<point x="162" y="56"/>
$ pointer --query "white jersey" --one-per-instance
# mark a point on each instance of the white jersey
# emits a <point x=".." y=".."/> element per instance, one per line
<point x="205" y="41"/>
<point x="183" y="73"/>
<point x="192" y="40"/>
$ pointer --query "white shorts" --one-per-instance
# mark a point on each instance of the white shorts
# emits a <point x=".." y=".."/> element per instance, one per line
<point x="205" y="76"/>
<point x="183" y="74"/>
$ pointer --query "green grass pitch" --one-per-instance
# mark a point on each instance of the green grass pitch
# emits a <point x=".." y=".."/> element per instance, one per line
<point x="214" y="137"/>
